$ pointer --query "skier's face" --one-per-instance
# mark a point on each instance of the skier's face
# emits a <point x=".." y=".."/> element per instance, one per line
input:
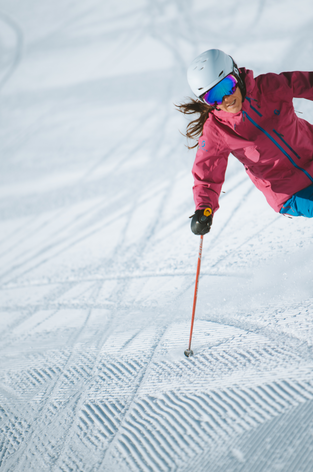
<point x="232" y="103"/>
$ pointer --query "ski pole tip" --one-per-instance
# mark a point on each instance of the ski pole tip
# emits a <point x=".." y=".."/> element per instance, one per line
<point x="188" y="353"/>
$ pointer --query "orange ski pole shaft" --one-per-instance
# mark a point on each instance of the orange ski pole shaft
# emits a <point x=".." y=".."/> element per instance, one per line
<point x="188" y="351"/>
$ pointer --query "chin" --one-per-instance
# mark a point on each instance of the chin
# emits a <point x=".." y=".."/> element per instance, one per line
<point x="236" y="110"/>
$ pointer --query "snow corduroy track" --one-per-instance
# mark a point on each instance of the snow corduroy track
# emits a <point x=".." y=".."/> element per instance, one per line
<point x="137" y="405"/>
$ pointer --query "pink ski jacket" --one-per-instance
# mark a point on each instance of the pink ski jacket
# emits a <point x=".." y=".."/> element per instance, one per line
<point x="266" y="136"/>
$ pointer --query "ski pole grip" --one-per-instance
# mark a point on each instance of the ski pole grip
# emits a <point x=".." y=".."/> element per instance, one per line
<point x="206" y="213"/>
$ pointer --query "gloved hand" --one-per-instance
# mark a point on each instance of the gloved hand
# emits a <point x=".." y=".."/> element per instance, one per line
<point x="201" y="221"/>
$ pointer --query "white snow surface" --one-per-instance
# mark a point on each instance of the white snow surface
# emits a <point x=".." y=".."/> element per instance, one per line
<point x="98" y="262"/>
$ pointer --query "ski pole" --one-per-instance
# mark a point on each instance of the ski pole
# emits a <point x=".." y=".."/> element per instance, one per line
<point x="189" y="352"/>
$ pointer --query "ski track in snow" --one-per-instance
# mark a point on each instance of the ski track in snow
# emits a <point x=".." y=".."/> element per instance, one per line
<point x="97" y="264"/>
<point x="11" y="41"/>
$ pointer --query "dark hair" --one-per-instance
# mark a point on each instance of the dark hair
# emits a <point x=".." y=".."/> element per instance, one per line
<point x="194" y="128"/>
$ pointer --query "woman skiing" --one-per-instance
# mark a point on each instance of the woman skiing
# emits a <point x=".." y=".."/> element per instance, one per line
<point x="254" y="119"/>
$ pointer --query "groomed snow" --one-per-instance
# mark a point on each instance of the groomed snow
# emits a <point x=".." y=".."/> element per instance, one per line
<point x="97" y="261"/>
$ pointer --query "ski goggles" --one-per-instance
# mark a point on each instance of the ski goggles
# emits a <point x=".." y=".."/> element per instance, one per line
<point x="215" y="95"/>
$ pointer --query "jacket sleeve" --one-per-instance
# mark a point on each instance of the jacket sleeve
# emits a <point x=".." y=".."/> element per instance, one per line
<point x="209" y="174"/>
<point x="300" y="84"/>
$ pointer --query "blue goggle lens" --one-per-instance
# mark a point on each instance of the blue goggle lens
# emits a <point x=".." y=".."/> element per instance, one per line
<point x="215" y="95"/>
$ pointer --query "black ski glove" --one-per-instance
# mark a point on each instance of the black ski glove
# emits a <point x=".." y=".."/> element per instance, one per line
<point x="201" y="221"/>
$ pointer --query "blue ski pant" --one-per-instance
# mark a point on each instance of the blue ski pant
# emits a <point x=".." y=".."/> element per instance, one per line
<point x="300" y="204"/>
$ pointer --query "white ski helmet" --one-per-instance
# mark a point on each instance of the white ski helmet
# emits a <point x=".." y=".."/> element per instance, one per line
<point x="209" y="69"/>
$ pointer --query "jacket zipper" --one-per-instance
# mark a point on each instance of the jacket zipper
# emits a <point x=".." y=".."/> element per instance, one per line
<point x="244" y="113"/>
<point x="289" y="147"/>
<point x="251" y="106"/>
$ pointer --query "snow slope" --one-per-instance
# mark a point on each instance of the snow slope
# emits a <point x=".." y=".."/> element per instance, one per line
<point x="98" y="262"/>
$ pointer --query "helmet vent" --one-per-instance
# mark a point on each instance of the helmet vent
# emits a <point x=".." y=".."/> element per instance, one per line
<point x="220" y="73"/>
